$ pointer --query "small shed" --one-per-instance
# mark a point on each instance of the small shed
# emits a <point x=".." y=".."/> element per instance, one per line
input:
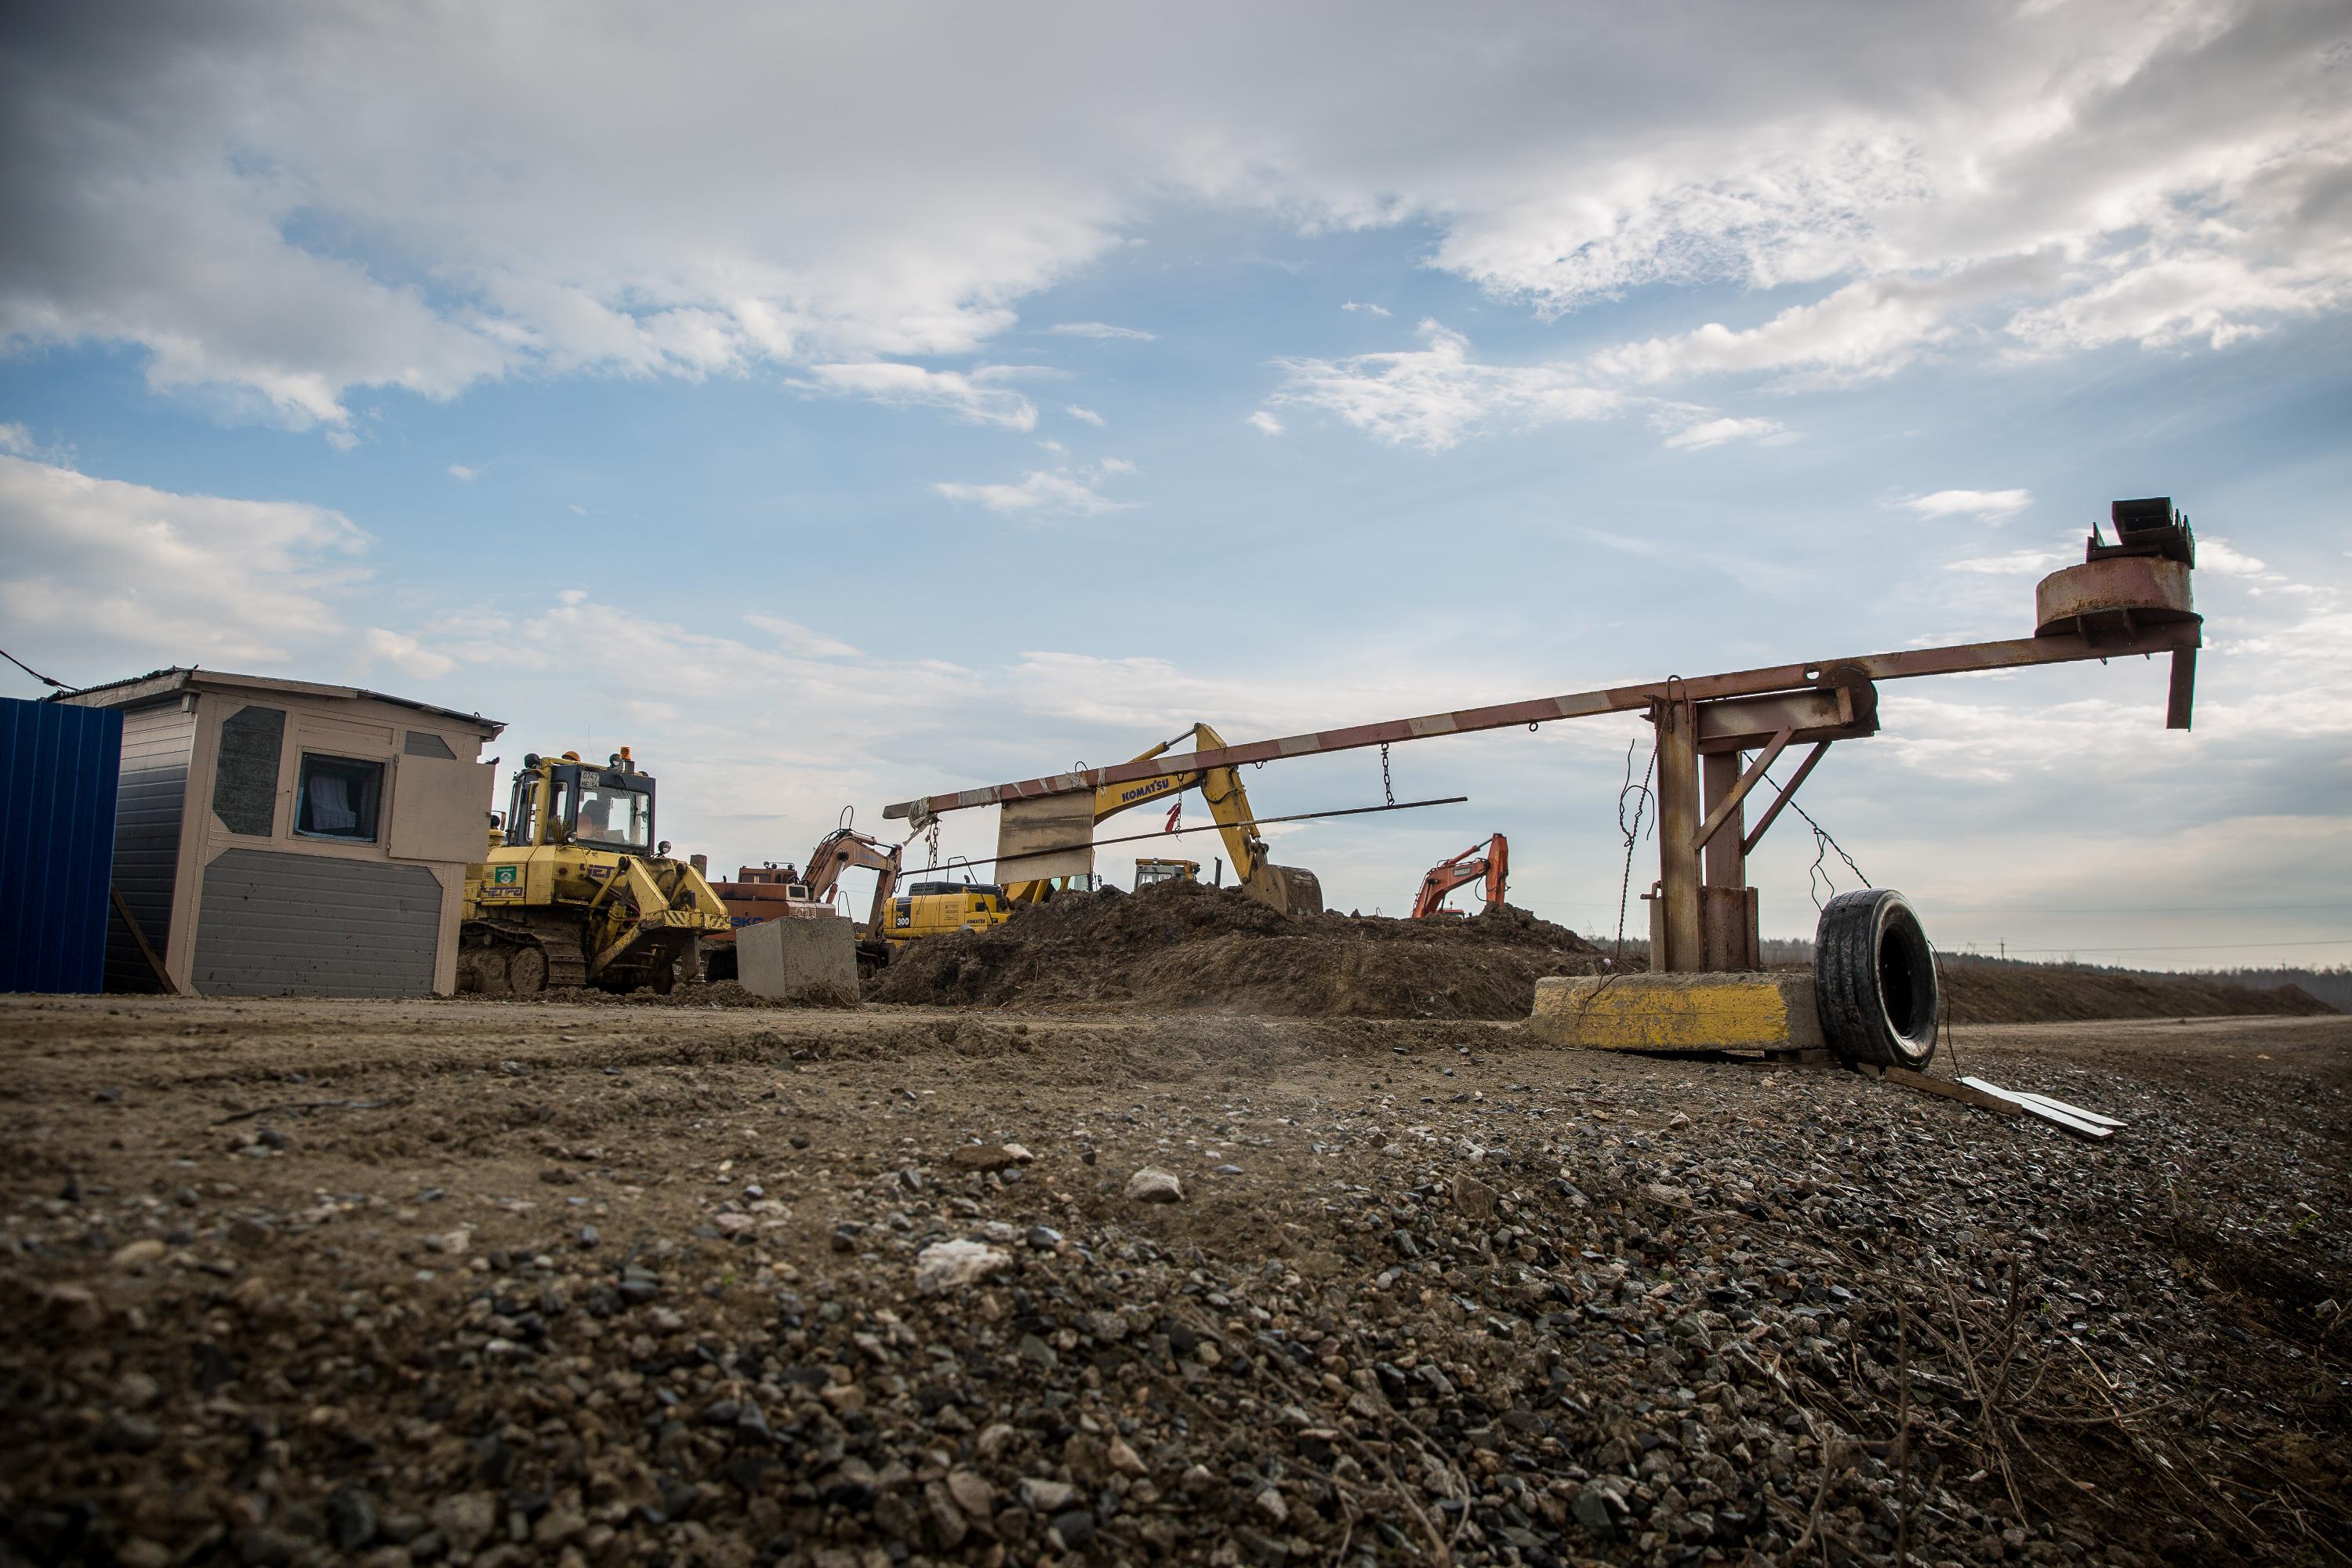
<point x="283" y="837"/>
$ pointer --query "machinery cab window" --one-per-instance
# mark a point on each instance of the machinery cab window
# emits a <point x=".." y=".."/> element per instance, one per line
<point x="614" y="814"/>
<point x="337" y="798"/>
<point x="522" y="812"/>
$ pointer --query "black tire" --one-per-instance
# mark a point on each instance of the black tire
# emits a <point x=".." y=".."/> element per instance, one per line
<point x="1874" y="981"/>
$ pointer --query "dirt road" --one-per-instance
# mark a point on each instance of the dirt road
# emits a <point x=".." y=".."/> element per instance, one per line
<point x="488" y="1284"/>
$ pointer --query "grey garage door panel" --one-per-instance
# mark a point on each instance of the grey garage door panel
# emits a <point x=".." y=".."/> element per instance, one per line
<point x="273" y="924"/>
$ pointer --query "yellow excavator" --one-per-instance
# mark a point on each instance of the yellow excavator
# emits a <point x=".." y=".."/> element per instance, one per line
<point x="576" y="890"/>
<point x="1287" y="888"/>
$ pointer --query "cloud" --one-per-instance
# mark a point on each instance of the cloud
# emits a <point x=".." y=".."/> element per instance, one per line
<point x="1264" y="422"/>
<point x="1431" y="397"/>
<point x="1099" y="329"/>
<point x="795" y="638"/>
<point x="1084" y="415"/>
<point x="2016" y="562"/>
<point x="459" y="471"/>
<point x="1358" y="305"/>
<point x="2222" y="558"/>
<point x="1043" y="494"/>
<point x="99" y="569"/>
<point x="407" y="655"/>
<point x="1701" y="431"/>
<point x="278" y="206"/>
<point x="1985" y="506"/>
<point x="908" y="385"/>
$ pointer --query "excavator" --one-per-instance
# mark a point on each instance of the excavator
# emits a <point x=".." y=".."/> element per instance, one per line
<point x="1287" y="888"/>
<point x="1490" y="860"/>
<point x="894" y="917"/>
<point x="574" y="889"/>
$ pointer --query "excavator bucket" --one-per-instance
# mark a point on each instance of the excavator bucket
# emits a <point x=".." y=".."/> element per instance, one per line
<point x="1299" y="890"/>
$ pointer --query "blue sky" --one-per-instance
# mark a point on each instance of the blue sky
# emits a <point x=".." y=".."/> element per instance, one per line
<point x="841" y="409"/>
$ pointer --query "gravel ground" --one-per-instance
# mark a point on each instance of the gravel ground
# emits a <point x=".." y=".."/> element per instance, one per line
<point x="478" y="1284"/>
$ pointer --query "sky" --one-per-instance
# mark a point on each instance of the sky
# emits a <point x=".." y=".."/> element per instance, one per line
<point x="841" y="405"/>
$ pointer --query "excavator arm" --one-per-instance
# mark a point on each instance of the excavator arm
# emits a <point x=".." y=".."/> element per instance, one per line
<point x="1286" y="887"/>
<point x="845" y="850"/>
<point x="1490" y="862"/>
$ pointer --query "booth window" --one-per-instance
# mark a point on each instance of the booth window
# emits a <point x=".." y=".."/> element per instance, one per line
<point x="338" y="799"/>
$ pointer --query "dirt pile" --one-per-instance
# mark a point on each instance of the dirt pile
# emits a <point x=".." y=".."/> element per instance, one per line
<point x="1182" y="946"/>
<point x="1982" y="992"/>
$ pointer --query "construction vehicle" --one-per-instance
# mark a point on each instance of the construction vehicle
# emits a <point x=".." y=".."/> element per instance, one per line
<point x="943" y="909"/>
<point x="1287" y="888"/>
<point x="1148" y="872"/>
<point x="575" y="890"/>
<point x="773" y="892"/>
<point x="1490" y="861"/>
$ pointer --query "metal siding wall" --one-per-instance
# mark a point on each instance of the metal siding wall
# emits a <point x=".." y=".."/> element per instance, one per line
<point x="273" y="924"/>
<point x="150" y="802"/>
<point x="59" y="765"/>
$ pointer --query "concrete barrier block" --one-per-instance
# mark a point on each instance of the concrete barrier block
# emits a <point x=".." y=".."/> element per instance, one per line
<point x="1678" y="1012"/>
<point x="798" y="959"/>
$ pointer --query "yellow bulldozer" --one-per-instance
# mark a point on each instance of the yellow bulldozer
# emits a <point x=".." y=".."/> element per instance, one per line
<point x="1289" y="889"/>
<point x="576" y="890"/>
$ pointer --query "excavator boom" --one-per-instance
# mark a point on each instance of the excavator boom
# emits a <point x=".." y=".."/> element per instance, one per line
<point x="1489" y="862"/>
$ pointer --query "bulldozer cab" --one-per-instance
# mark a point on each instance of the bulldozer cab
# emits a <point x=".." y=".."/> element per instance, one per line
<point x="566" y="801"/>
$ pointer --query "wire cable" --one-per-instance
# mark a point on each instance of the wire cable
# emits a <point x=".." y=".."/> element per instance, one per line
<point x="36" y="675"/>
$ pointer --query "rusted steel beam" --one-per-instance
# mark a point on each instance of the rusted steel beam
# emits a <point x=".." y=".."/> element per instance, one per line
<point x="2061" y="647"/>
<point x="1729" y="803"/>
<point x="1678" y="843"/>
<point x="1748" y="845"/>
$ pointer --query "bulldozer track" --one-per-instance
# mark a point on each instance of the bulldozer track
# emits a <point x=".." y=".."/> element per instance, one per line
<point x="512" y="958"/>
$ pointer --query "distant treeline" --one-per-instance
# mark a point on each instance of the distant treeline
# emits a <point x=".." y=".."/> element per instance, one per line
<point x="2332" y="986"/>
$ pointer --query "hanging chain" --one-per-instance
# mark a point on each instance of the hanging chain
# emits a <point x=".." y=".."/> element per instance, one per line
<point x="1387" y="790"/>
<point x="931" y="848"/>
<point x="1640" y="794"/>
<point x="1818" y="876"/>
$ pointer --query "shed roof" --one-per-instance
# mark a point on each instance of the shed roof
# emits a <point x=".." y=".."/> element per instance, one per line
<point x="138" y="689"/>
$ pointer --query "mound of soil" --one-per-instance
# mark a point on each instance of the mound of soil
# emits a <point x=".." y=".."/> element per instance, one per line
<point x="1184" y="946"/>
<point x="1981" y="993"/>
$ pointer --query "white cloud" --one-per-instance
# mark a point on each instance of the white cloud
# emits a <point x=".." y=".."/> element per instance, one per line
<point x="459" y="471"/>
<point x="1986" y="506"/>
<point x="15" y="438"/>
<point x="2222" y="559"/>
<point x="1266" y="422"/>
<point x="1099" y="329"/>
<point x="906" y="385"/>
<point x="1084" y="415"/>
<point x="1042" y="494"/>
<point x="1433" y="396"/>
<point x="98" y="569"/>
<point x="1359" y="305"/>
<point x="406" y="655"/>
<point x="795" y="638"/>
<point x="2016" y="562"/>
<point x="1704" y="431"/>
<point x="279" y="204"/>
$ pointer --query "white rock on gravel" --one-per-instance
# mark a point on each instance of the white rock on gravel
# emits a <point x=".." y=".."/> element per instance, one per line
<point x="1153" y="1185"/>
<point x="952" y="1264"/>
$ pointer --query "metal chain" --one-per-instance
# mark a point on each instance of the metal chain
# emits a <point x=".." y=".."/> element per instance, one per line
<point x="1817" y="875"/>
<point x="1641" y="794"/>
<point x="1387" y="790"/>
<point x="931" y="848"/>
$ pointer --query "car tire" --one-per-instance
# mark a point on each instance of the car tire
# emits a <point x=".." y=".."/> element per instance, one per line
<point x="1874" y="981"/>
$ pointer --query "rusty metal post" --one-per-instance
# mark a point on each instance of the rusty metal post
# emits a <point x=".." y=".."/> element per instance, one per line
<point x="1726" y="861"/>
<point x="1677" y="718"/>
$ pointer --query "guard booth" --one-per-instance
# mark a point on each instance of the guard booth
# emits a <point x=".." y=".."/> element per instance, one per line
<point x="282" y="838"/>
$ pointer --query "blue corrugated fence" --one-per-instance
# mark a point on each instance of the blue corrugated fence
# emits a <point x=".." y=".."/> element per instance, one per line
<point x="58" y="767"/>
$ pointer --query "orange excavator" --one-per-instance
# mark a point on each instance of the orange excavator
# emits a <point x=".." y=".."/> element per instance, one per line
<point x="1490" y="861"/>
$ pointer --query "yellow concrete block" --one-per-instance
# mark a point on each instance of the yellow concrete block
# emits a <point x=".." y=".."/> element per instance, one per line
<point x="1677" y="1012"/>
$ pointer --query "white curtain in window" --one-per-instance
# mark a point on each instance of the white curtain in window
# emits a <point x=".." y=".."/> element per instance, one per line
<point x="331" y="810"/>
